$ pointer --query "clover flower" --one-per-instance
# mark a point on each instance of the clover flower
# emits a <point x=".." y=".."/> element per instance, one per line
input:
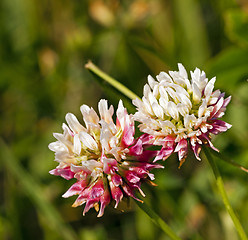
<point x="180" y="114"/>
<point x="105" y="158"/>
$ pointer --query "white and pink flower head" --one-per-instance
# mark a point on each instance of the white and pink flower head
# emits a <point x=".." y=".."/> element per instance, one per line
<point x="180" y="114"/>
<point x="104" y="157"/>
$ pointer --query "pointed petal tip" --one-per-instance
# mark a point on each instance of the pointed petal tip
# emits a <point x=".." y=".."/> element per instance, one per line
<point x="52" y="171"/>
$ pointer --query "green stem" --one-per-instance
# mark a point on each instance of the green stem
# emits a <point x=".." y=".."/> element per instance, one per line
<point x="157" y="220"/>
<point x="227" y="204"/>
<point x="120" y="87"/>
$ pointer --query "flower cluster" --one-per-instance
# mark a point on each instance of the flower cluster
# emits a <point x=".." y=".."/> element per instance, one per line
<point x="105" y="158"/>
<point x="108" y="163"/>
<point x="180" y="114"/>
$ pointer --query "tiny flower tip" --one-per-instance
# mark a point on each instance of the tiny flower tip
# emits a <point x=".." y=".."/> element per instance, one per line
<point x="152" y="183"/>
<point x="52" y="171"/>
<point x="181" y="162"/>
<point x="198" y="158"/>
<point x="142" y="193"/>
<point x="64" y="195"/>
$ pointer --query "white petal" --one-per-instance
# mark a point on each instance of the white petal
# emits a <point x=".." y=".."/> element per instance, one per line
<point x="163" y="93"/>
<point x="147" y="90"/>
<point x="73" y="123"/>
<point x="57" y="147"/>
<point x="182" y="109"/>
<point x="209" y="88"/>
<point x="172" y="94"/>
<point x="152" y="99"/>
<point x="156" y="91"/>
<point x="202" y="108"/>
<point x="151" y="81"/>
<point x="105" y="113"/>
<point x="77" y="145"/>
<point x="182" y="71"/>
<point x="189" y="121"/>
<point x="180" y="90"/>
<point x="105" y="136"/>
<point x="89" y="115"/>
<point x="121" y="113"/>
<point x="195" y="75"/>
<point x="167" y="124"/>
<point x="196" y="93"/>
<point x="164" y="103"/>
<point x="63" y="140"/>
<point x="137" y="103"/>
<point x="158" y="110"/>
<point x="184" y="99"/>
<point x="164" y="76"/>
<point x="172" y="109"/>
<point x="147" y="106"/>
<point x="91" y="164"/>
<point x="88" y="141"/>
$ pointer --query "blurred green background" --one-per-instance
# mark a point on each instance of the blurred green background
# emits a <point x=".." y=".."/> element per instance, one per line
<point x="44" y="46"/>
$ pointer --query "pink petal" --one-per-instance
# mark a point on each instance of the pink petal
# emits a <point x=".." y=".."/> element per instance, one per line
<point x="82" y="198"/>
<point x="205" y="136"/>
<point x="147" y="139"/>
<point x="109" y="165"/>
<point x="164" y="153"/>
<point x="97" y="190"/>
<point x="196" y="149"/>
<point x="116" y="179"/>
<point x="75" y="189"/>
<point x="219" y="127"/>
<point x="147" y="155"/>
<point x="129" y="191"/>
<point x="217" y="107"/>
<point x="128" y="138"/>
<point x="89" y="204"/>
<point x="63" y="172"/>
<point x="116" y="193"/>
<point x="182" y="149"/>
<point x="132" y="177"/>
<point x="227" y="101"/>
<point x="136" y="149"/>
<point x="104" y="200"/>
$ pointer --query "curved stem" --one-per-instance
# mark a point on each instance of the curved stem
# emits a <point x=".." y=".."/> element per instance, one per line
<point x="227" y="204"/>
<point x="120" y="87"/>
<point x="157" y="220"/>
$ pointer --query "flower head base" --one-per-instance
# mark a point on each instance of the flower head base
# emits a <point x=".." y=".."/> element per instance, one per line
<point x="104" y="158"/>
<point x="179" y="113"/>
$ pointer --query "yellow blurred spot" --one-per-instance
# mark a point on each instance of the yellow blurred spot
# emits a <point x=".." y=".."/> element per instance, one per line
<point x="101" y="13"/>
<point x="139" y="9"/>
<point x="47" y="60"/>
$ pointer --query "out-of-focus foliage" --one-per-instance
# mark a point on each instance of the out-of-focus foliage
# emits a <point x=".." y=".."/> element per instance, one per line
<point x="44" y="46"/>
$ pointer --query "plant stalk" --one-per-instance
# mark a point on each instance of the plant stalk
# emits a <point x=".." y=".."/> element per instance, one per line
<point x="120" y="87"/>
